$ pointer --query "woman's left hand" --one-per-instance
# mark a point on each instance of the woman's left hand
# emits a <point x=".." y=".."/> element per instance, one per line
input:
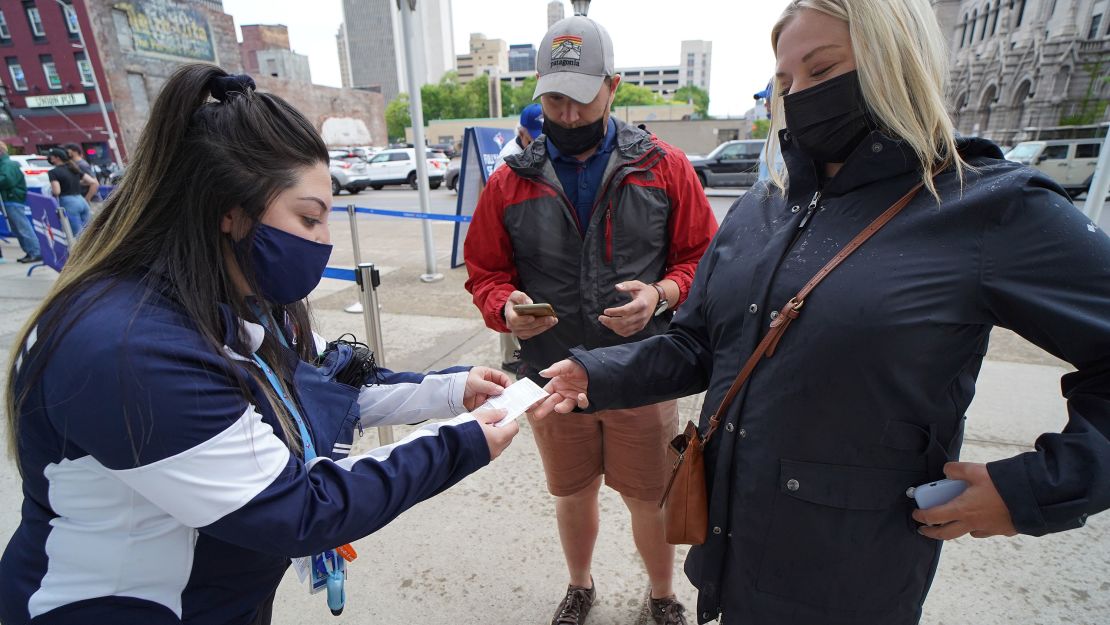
<point x="979" y="510"/>
<point x="483" y="383"/>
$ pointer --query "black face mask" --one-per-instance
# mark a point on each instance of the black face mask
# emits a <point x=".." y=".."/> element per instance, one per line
<point x="574" y="141"/>
<point x="829" y="120"/>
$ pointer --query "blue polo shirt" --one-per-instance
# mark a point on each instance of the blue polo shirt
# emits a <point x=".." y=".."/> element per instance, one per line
<point x="582" y="179"/>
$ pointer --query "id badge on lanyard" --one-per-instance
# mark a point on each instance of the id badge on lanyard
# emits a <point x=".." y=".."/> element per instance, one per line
<point x="327" y="570"/>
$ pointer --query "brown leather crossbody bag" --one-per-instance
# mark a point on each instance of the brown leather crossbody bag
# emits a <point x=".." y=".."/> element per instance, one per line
<point x="685" y="503"/>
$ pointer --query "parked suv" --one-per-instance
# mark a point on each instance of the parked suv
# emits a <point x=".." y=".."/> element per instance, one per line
<point x="350" y="175"/>
<point x="731" y="164"/>
<point x="1070" y="162"/>
<point x="398" y="166"/>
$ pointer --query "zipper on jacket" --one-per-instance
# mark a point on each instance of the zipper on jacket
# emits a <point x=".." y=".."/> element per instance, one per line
<point x="809" y="211"/>
<point x="609" y="233"/>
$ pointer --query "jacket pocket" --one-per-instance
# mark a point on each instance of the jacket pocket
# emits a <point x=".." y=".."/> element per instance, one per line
<point x="841" y="539"/>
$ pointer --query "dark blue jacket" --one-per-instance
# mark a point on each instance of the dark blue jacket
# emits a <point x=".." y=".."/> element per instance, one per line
<point x="156" y="492"/>
<point x="866" y="395"/>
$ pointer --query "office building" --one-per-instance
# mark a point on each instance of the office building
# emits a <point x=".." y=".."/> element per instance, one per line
<point x="555" y="12"/>
<point x="522" y="57"/>
<point x="375" y="51"/>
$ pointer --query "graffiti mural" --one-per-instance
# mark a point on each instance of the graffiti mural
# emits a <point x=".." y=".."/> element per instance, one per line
<point x="166" y="28"/>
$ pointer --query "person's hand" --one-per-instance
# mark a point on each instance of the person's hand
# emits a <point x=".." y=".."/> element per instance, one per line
<point x="525" y="326"/>
<point x="632" y="317"/>
<point x="497" y="438"/>
<point x="567" y="387"/>
<point x="481" y="384"/>
<point x="978" y="511"/>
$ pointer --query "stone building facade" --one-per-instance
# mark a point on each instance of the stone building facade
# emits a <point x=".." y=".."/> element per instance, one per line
<point x="1019" y="67"/>
<point x="142" y="42"/>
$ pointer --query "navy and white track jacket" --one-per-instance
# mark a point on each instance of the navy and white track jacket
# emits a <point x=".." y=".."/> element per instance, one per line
<point x="156" y="492"/>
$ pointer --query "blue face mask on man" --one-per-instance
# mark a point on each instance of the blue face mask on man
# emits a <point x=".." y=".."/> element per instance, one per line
<point x="286" y="267"/>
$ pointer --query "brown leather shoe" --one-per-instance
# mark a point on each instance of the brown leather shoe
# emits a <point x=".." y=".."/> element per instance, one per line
<point x="667" y="611"/>
<point x="575" y="605"/>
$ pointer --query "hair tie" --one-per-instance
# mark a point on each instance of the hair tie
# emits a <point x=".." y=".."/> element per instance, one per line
<point x="222" y="87"/>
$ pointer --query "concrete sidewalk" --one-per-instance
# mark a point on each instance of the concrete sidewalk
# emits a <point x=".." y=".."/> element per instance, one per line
<point x="487" y="550"/>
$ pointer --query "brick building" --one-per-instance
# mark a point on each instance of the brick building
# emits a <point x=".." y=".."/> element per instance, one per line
<point x="49" y="88"/>
<point x="48" y="82"/>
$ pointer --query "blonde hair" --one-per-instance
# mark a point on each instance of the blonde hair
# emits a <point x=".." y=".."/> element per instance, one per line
<point x="902" y="61"/>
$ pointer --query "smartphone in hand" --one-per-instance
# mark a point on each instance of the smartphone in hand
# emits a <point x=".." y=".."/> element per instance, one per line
<point x="937" y="493"/>
<point x="535" y="310"/>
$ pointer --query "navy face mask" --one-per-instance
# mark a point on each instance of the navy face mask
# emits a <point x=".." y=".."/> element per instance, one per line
<point x="286" y="267"/>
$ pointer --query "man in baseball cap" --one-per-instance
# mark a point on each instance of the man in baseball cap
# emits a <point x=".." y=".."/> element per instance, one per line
<point x="606" y="223"/>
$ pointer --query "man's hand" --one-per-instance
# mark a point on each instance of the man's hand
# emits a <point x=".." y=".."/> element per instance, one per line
<point x="481" y="384"/>
<point x="567" y="387"/>
<point x="978" y="511"/>
<point x="525" y="326"/>
<point x="634" y="316"/>
<point x="496" y="438"/>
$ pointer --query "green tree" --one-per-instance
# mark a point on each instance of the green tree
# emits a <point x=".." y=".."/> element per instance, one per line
<point x="514" y="99"/>
<point x="760" y="128"/>
<point x="1091" y="107"/>
<point x="397" y="117"/>
<point x="699" y="96"/>
<point x="635" y="95"/>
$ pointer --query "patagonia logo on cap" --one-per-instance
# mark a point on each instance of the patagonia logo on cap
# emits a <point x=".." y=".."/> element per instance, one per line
<point x="566" y="51"/>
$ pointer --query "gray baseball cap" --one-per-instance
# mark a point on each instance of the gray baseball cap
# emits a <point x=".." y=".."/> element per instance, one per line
<point x="575" y="56"/>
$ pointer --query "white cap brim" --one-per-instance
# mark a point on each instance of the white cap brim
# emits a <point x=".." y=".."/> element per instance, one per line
<point x="578" y="87"/>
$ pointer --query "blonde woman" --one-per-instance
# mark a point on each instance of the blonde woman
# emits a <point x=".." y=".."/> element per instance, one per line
<point x="864" y="397"/>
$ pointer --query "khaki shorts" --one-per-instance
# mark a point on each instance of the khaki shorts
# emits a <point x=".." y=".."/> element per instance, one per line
<point x="628" y="447"/>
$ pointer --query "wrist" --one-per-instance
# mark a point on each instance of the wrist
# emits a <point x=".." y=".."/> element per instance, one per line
<point x="662" y="304"/>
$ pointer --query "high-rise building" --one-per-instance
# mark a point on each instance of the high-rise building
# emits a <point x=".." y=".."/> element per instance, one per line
<point x="486" y="57"/>
<point x="696" y="61"/>
<point x="375" y="51"/>
<point x="1020" y="67"/>
<point x="522" y="57"/>
<point x="344" y="60"/>
<point x="555" y="12"/>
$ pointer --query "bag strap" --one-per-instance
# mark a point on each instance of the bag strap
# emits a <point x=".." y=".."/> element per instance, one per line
<point x="793" y="308"/>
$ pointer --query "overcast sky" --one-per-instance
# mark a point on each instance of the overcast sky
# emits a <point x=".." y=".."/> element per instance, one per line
<point x="645" y="32"/>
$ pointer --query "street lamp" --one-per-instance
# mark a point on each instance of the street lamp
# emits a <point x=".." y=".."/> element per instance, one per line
<point x="118" y="158"/>
<point x="581" y="7"/>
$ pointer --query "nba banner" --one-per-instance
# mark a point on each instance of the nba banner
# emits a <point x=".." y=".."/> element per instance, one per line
<point x="47" y="221"/>
<point x="480" y="149"/>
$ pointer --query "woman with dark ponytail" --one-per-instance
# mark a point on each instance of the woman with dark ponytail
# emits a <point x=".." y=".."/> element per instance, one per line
<point x="66" y="180"/>
<point x="181" y="432"/>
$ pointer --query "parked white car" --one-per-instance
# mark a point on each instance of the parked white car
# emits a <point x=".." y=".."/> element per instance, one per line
<point x="398" y="166"/>
<point x="35" y="169"/>
<point x="1070" y="162"/>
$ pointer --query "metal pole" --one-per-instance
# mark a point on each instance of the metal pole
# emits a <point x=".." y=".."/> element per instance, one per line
<point x="416" y="112"/>
<point x="1100" y="184"/>
<point x="96" y="85"/>
<point x="357" y="306"/>
<point x="368" y="281"/>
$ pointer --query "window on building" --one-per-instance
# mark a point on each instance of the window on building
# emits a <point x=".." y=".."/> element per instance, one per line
<point x="70" y="15"/>
<point x="4" y="32"/>
<point x="986" y="18"/>
<point x="19" y="80"/>
<point x="84" y="68"/>
<point x="1087" y="150"/>
<point x="136" y="85"/>
<point x="1096" y="23"/>
<point x="974" y="21"/>
<point x="124" y="36"/>
<point x="53" y="80"/>
<point x="1052" y="9"/>
<point x="1020" y="4"/>
<point x="35" y="20"/>
<point x="994" y="20"/>
<point x="963" y="32"/>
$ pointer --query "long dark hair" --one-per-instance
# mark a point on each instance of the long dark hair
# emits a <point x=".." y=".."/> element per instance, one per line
<point x="197" y="159"/>
<point x="66" y="161"/>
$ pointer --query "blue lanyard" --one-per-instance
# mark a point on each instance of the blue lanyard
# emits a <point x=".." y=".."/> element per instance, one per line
<point x="306" y="440"/>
